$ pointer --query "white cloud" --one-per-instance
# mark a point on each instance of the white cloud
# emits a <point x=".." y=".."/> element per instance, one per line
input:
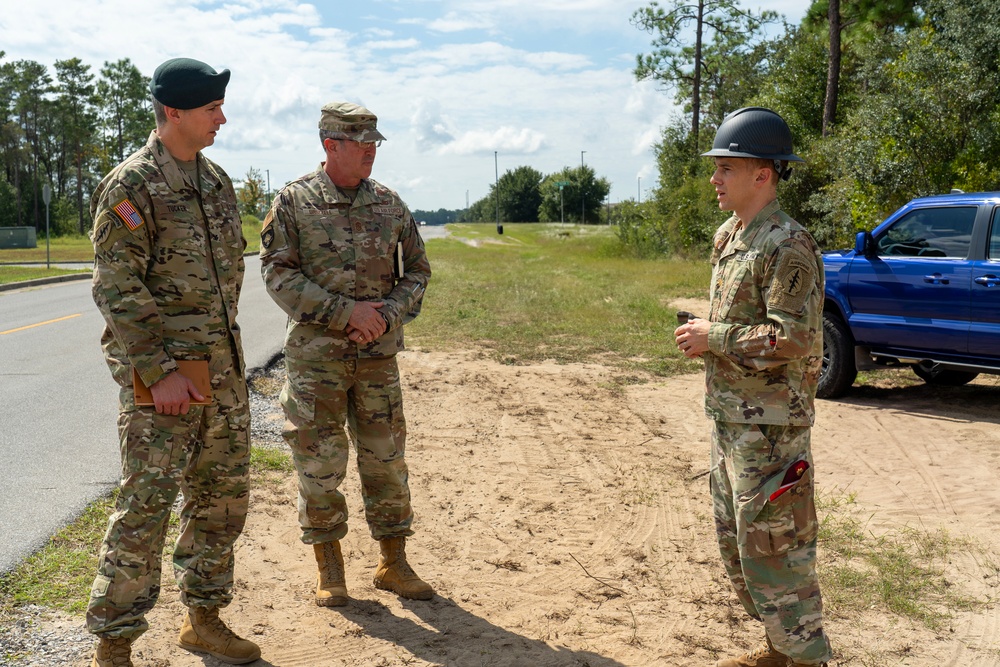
<point x="430" y="129"/>
<point x="393" y="44"/>
<point x="521" y="141"/>
<point x="456" y="22"/>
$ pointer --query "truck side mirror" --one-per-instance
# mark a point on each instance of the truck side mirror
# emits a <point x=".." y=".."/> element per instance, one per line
<point x="862" y="243"/>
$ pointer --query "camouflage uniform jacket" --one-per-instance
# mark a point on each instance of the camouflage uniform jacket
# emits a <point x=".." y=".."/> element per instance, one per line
<point x="321" y="253"/>
<point x="168" y="264"/>
<point x="766" y="336"/>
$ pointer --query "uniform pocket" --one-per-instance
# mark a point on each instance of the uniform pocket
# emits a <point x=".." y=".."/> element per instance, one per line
<point x="327" y="230"/>
<point x="154" y="441"/>
<point x="773" y="527"/>
<point x="300" y="408"/>
<point x="182" y="234"/>
<point x="99" y="589"/>
<point x="733" y="282"/>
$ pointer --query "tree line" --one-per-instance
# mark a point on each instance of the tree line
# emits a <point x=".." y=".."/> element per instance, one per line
<point x="886" y="100"/>
<point x="574" y="194"/>
<point x="67" y="129"/>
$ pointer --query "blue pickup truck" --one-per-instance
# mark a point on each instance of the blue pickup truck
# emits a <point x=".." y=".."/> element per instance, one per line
<point x="922" y="289"/>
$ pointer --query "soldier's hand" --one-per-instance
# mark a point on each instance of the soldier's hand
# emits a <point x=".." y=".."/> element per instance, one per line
<point x="172" y="394"/>
<point x="692" y="338"/>
<point x="365" y="323"/>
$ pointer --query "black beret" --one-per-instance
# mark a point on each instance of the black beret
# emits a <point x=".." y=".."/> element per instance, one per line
<point x="184" y="83"/>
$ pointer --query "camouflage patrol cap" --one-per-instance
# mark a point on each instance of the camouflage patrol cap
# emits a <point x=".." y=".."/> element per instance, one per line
<point x="185" y="83"/>
<point x="349" y="121"/>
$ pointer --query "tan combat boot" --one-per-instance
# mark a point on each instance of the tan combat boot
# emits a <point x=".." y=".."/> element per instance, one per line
<point x="395" y="574"/>
<point x="204" y="632"/>
<point x="331" y="585"/>
<point x="764" y="655"/>
<point x="112" y="652"/>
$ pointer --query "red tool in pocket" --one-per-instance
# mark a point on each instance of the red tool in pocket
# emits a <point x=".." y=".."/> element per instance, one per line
<point x="791" y="478"/>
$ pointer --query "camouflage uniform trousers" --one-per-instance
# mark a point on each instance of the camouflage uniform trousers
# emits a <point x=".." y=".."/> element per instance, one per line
<point x="769" y="547"/>
<point x="206" y="455"/>
<point x="319" y="398"/>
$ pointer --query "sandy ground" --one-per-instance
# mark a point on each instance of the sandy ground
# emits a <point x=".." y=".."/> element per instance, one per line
<point x="563" y="520"/>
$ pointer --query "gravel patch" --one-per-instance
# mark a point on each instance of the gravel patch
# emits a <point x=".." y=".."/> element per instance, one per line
<point x="39" y="637"/>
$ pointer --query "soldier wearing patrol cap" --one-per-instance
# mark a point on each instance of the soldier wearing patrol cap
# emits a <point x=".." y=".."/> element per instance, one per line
<point x="341" y="255"/>
<point x="762" y="344"/>
<point x="167" y="276"/>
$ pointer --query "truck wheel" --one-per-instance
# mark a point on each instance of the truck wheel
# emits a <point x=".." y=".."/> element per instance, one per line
<point x="838" y="372"/>
<point x="933" y="373"/>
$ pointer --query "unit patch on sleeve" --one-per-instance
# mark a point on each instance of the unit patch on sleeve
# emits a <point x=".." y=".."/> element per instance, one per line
<point x="126" y="211"/>
<point x="267" y="232"/>
<point x="793" y="281"/>
<point x="101" y="235"/>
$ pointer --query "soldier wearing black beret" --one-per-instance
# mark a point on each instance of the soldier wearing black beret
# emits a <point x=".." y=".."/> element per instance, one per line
<point x="184" y="83"/>
<point x="168" y="271"/>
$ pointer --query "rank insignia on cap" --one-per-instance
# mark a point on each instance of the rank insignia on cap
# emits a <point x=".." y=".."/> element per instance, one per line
<point x="128" y="214"/>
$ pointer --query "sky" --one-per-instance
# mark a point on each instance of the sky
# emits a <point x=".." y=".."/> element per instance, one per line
<point x="462" y="88"/>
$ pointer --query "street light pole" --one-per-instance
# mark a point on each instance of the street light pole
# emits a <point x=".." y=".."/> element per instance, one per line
<point x="496" y="170"/>
<point x="639" y="190"/>
<point x="47" y="198"/>
<point x="583" y="198"/>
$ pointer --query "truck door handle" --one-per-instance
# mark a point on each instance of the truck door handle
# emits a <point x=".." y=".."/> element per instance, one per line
<point x="988" y="281"/>
<point x="935" y="279"/>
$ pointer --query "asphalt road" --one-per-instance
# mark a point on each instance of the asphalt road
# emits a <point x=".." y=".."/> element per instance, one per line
<point x="58" y="405"/>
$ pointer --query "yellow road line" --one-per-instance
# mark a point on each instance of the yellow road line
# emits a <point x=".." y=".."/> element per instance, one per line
<point x="32" y="326"/>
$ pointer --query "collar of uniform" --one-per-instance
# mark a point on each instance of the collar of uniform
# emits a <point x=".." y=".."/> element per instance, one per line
<point x="727" y="240"/>
<point x="750" y="229"/>
<point x="173" y="174"/>
<point x="366" y="193"/>
<point x="333" y="194"/>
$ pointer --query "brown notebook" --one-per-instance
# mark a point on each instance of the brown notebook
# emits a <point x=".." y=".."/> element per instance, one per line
<point x="196" y="370"/>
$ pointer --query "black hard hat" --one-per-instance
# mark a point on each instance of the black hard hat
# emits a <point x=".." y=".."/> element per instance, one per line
<point x="754" y="132"/>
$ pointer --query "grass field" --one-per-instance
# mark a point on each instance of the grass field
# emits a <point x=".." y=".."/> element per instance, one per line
<point x="72" y="249"/>
<point x="61" y="249"/>
<point x="569" y="293"/>
<point x="17" y="274"/>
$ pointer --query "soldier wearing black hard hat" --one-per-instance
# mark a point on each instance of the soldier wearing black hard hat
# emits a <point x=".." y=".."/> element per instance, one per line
<point x="762" y="344"/>
<point x="168" y="270"/>
<point x="755" y="132"/>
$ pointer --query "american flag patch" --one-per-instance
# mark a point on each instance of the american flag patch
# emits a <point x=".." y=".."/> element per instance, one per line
<point x="128" y="214"/>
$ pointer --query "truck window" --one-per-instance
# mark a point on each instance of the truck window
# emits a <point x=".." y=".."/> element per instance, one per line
<point x="929" y="232"/>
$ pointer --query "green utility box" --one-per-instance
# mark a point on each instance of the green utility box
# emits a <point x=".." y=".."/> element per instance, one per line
<point x="18" y="237"/>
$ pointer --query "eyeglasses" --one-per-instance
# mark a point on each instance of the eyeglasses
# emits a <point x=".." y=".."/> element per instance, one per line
<point x="365" y="145"/>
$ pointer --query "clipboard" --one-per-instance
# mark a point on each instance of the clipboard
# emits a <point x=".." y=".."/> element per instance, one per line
<point x="196" y="370"/>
